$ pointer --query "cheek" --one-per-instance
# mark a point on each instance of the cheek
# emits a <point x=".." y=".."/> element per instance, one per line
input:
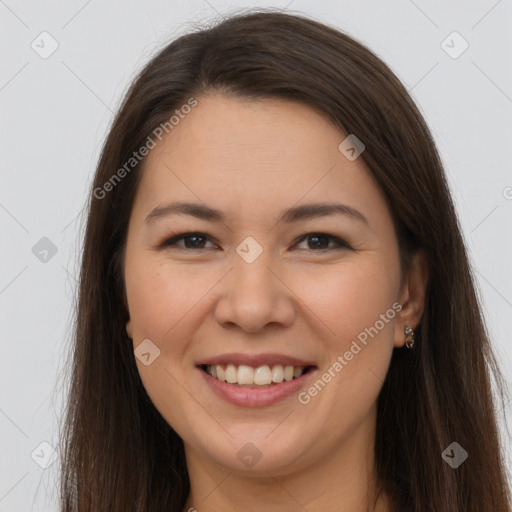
<point x="353" y="316"/>
<point x="356" y="304"/>
<point x="160" y="297"/>
<point x="164" y="301"/>
<point x="347" y="300"/>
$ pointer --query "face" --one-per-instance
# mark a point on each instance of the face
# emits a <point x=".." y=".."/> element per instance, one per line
<point x="264" y="279"/>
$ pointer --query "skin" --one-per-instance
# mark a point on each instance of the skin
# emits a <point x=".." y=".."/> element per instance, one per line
<point x="252" y="160"/>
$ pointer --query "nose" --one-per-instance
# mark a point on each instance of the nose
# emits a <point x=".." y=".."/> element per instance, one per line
<point x="253" y="296"/>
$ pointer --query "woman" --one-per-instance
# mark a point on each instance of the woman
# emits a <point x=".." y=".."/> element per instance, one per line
<point x="276" y="309"/>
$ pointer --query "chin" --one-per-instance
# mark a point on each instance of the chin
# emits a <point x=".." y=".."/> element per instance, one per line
<point x="258" y="455"/>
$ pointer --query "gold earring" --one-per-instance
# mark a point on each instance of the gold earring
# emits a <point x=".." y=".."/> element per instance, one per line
<point x="409" y="337"/>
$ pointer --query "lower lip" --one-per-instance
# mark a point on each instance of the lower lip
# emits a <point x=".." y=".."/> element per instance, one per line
<point x="247" y="397"/>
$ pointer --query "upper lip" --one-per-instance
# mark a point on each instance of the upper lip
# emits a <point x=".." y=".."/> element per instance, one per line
<point x="255" y="360"/>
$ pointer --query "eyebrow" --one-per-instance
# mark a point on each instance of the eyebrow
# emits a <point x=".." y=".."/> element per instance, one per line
<point x="294" y="214"/>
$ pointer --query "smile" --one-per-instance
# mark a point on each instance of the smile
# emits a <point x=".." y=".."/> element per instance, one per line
<point x="259" y="377"/>
<point x="255" y="380"/>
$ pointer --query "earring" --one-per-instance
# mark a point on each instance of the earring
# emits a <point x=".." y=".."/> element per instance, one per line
<point x="409" y="337"/>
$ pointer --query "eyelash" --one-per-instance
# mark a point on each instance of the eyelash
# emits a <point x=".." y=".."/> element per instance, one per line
<point x="173" y="241"/>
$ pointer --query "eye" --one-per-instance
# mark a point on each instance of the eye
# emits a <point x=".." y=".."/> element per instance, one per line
<point x="320" y="242"/>
<point x="191" y="241"/>
<point x="316" y="242"/>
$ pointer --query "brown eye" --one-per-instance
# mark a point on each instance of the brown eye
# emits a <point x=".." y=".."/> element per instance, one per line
<point x="190" y="241"/>
<point x="321" y="241"/>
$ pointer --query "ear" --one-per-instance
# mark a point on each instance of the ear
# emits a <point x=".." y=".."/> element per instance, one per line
<point x="412" y="296"/>
<point x="129" y="329"/>
<point x="129" y="325"/>
<point x="121" y="287"/>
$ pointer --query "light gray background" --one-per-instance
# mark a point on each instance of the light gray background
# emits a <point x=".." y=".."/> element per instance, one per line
<point x="54" y="116"/>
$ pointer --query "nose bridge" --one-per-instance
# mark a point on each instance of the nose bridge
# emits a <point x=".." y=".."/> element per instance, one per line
<point x="254" y="285"/>
<point x="253" y="296"/>
<point x="253" y="276"/>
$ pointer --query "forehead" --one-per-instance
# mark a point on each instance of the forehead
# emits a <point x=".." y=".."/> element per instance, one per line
<point x="248" y="155"/>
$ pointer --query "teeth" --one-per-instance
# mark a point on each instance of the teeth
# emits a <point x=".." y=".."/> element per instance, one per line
<point x="277" y="373"/>
<point x="261" y="376"/>
<point x="245" y="375"/>
<point x="231" y="374"/>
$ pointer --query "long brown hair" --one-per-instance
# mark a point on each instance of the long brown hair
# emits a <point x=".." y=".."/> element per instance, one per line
<point x="118" y="453"/>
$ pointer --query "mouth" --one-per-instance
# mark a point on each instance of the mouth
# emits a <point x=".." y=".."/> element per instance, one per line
<point x="255" y="381"/>
<point x="260" y="377"/>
